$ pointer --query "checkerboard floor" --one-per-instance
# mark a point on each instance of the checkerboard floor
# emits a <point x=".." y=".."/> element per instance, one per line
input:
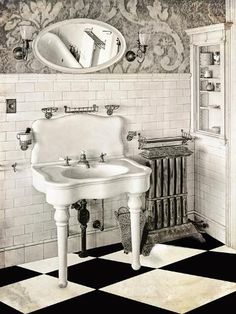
<point x="183" y="276"/>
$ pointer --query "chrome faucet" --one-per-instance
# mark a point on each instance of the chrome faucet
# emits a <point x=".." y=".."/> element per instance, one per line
<point x="102" y="157"/>
<point x="83" y="160"/>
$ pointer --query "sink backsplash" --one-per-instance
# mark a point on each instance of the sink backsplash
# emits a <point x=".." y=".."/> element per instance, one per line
<point x="155" y="104"/>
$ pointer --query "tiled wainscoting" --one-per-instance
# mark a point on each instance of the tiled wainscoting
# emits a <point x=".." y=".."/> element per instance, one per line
<point x="155" y="104"/>
<point x="210" y="185"/>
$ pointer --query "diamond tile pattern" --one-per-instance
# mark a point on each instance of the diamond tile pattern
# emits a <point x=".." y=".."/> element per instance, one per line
<point x="99" y="273"/>
<point x="208" y="264"/>
<point x="107" y="282"/>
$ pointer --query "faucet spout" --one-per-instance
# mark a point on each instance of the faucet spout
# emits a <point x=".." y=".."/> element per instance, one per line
<point x="87" y="164"/>
<point x="83" y="159"/>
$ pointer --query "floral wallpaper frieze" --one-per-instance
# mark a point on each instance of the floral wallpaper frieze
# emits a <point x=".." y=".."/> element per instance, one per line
<point x="165" y="20"/>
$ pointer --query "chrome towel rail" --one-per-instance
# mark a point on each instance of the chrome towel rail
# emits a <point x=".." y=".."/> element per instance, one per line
<point x="184" y="138"/>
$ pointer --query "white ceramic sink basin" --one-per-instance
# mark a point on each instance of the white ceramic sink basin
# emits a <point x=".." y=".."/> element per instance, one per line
<point x="66" y="184"/>
<point x="96" y="170"/>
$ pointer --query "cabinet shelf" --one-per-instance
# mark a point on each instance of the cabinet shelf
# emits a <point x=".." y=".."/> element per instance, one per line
<point x="209" y="78"/>
<point x="209" y="91"/>
<point x="210" y="131"/>
<point x="209" y="66"/>
<point x="210" y="107"/>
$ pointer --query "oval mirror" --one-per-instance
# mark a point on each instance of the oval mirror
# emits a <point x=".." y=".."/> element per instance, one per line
<point x="79" y="46"/>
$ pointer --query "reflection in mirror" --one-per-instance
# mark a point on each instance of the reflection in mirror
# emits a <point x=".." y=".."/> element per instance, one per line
<point x="79" y="46"/>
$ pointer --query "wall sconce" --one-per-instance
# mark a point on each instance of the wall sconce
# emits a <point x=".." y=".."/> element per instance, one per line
<point x="141" y="49"/>
<point x="21" y="52"/>
<point x="25" y="139"/>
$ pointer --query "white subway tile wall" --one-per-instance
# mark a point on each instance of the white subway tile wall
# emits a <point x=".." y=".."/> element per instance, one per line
<point x="155" y="104"/>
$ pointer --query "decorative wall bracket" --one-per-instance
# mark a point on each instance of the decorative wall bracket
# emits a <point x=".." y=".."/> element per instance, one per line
<point x="111" y="108"/>
<point x="94" y="108"/>
<point x="49" y="111"/>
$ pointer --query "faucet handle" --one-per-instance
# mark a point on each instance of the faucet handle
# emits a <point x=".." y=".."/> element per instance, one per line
<point x="102" y="157"/>
<point x="66" y="159"/>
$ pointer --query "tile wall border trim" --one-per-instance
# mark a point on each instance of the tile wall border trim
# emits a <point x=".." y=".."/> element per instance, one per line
<point x="29" y="77"/>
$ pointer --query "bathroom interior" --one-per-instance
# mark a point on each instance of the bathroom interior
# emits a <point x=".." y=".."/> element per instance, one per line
<point x="166" y="80"/>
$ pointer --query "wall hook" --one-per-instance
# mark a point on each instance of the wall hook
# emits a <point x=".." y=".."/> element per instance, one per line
<point x="111" y="108"/>
<point x="14" y="166"/>
<point x="48" y="111"/>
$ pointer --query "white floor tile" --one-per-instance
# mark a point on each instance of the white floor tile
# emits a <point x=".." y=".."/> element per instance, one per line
<point x="51" y="264"/>
<point x="160" y="255"/>
<point x="171" y="290"/>
<point x="38" y="292"/>
<point x="224" y="249"/>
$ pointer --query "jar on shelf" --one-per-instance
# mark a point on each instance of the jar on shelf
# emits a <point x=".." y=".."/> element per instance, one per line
<point x="218" y="87"/>
<point x="205" y="58"/>
<point x="210" y="86"/>
<point x="216" y="57"/>
<point x="207" y="74"/>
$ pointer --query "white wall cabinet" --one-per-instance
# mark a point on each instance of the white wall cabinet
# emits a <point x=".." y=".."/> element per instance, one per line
<point x="207" y="66"/>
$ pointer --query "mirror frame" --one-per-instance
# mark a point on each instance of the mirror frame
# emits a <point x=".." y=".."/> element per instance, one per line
<point x="75" y="70"/>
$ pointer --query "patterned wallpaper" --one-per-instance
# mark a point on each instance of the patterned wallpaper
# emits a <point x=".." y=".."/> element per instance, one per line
<point x="166" y="20"/>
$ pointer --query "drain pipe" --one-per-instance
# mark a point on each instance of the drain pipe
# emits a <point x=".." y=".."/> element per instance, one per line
<point x="99" y="224"/>
<point x="83" y="218"/>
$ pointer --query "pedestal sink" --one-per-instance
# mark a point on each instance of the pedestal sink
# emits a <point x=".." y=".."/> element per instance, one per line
<point x="65" y="185"/>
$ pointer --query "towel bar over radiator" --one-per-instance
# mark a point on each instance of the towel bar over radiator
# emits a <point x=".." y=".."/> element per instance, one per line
<point x="166" y="200"/>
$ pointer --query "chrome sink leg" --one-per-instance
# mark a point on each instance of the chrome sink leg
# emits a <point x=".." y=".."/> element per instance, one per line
<point x="61" y="217"/>
<point x="134" y="204"/>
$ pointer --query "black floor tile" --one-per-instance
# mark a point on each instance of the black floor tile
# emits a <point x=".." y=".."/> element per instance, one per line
<point x="101" y="302"/>
<point x="208" y="264"/>
<point x="5" y="309"/>
<point x="13" y="274"/>
<point x="223" y="305"/>
<point x="193" y="243"/>
<point x="104" y="250"/>
<point x="98" y="273"/>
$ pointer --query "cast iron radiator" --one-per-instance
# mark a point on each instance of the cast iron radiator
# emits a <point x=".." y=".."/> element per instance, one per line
<point x="166" y="200"/>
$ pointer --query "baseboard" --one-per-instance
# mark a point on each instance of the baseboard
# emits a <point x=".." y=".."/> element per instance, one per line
<point x="46" y="249"/>
<point x="214" y="229"/>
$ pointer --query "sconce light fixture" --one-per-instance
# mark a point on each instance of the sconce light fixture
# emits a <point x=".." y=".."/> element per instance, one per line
<point x="141" y="49"/>
<point x="21" y="52"/>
